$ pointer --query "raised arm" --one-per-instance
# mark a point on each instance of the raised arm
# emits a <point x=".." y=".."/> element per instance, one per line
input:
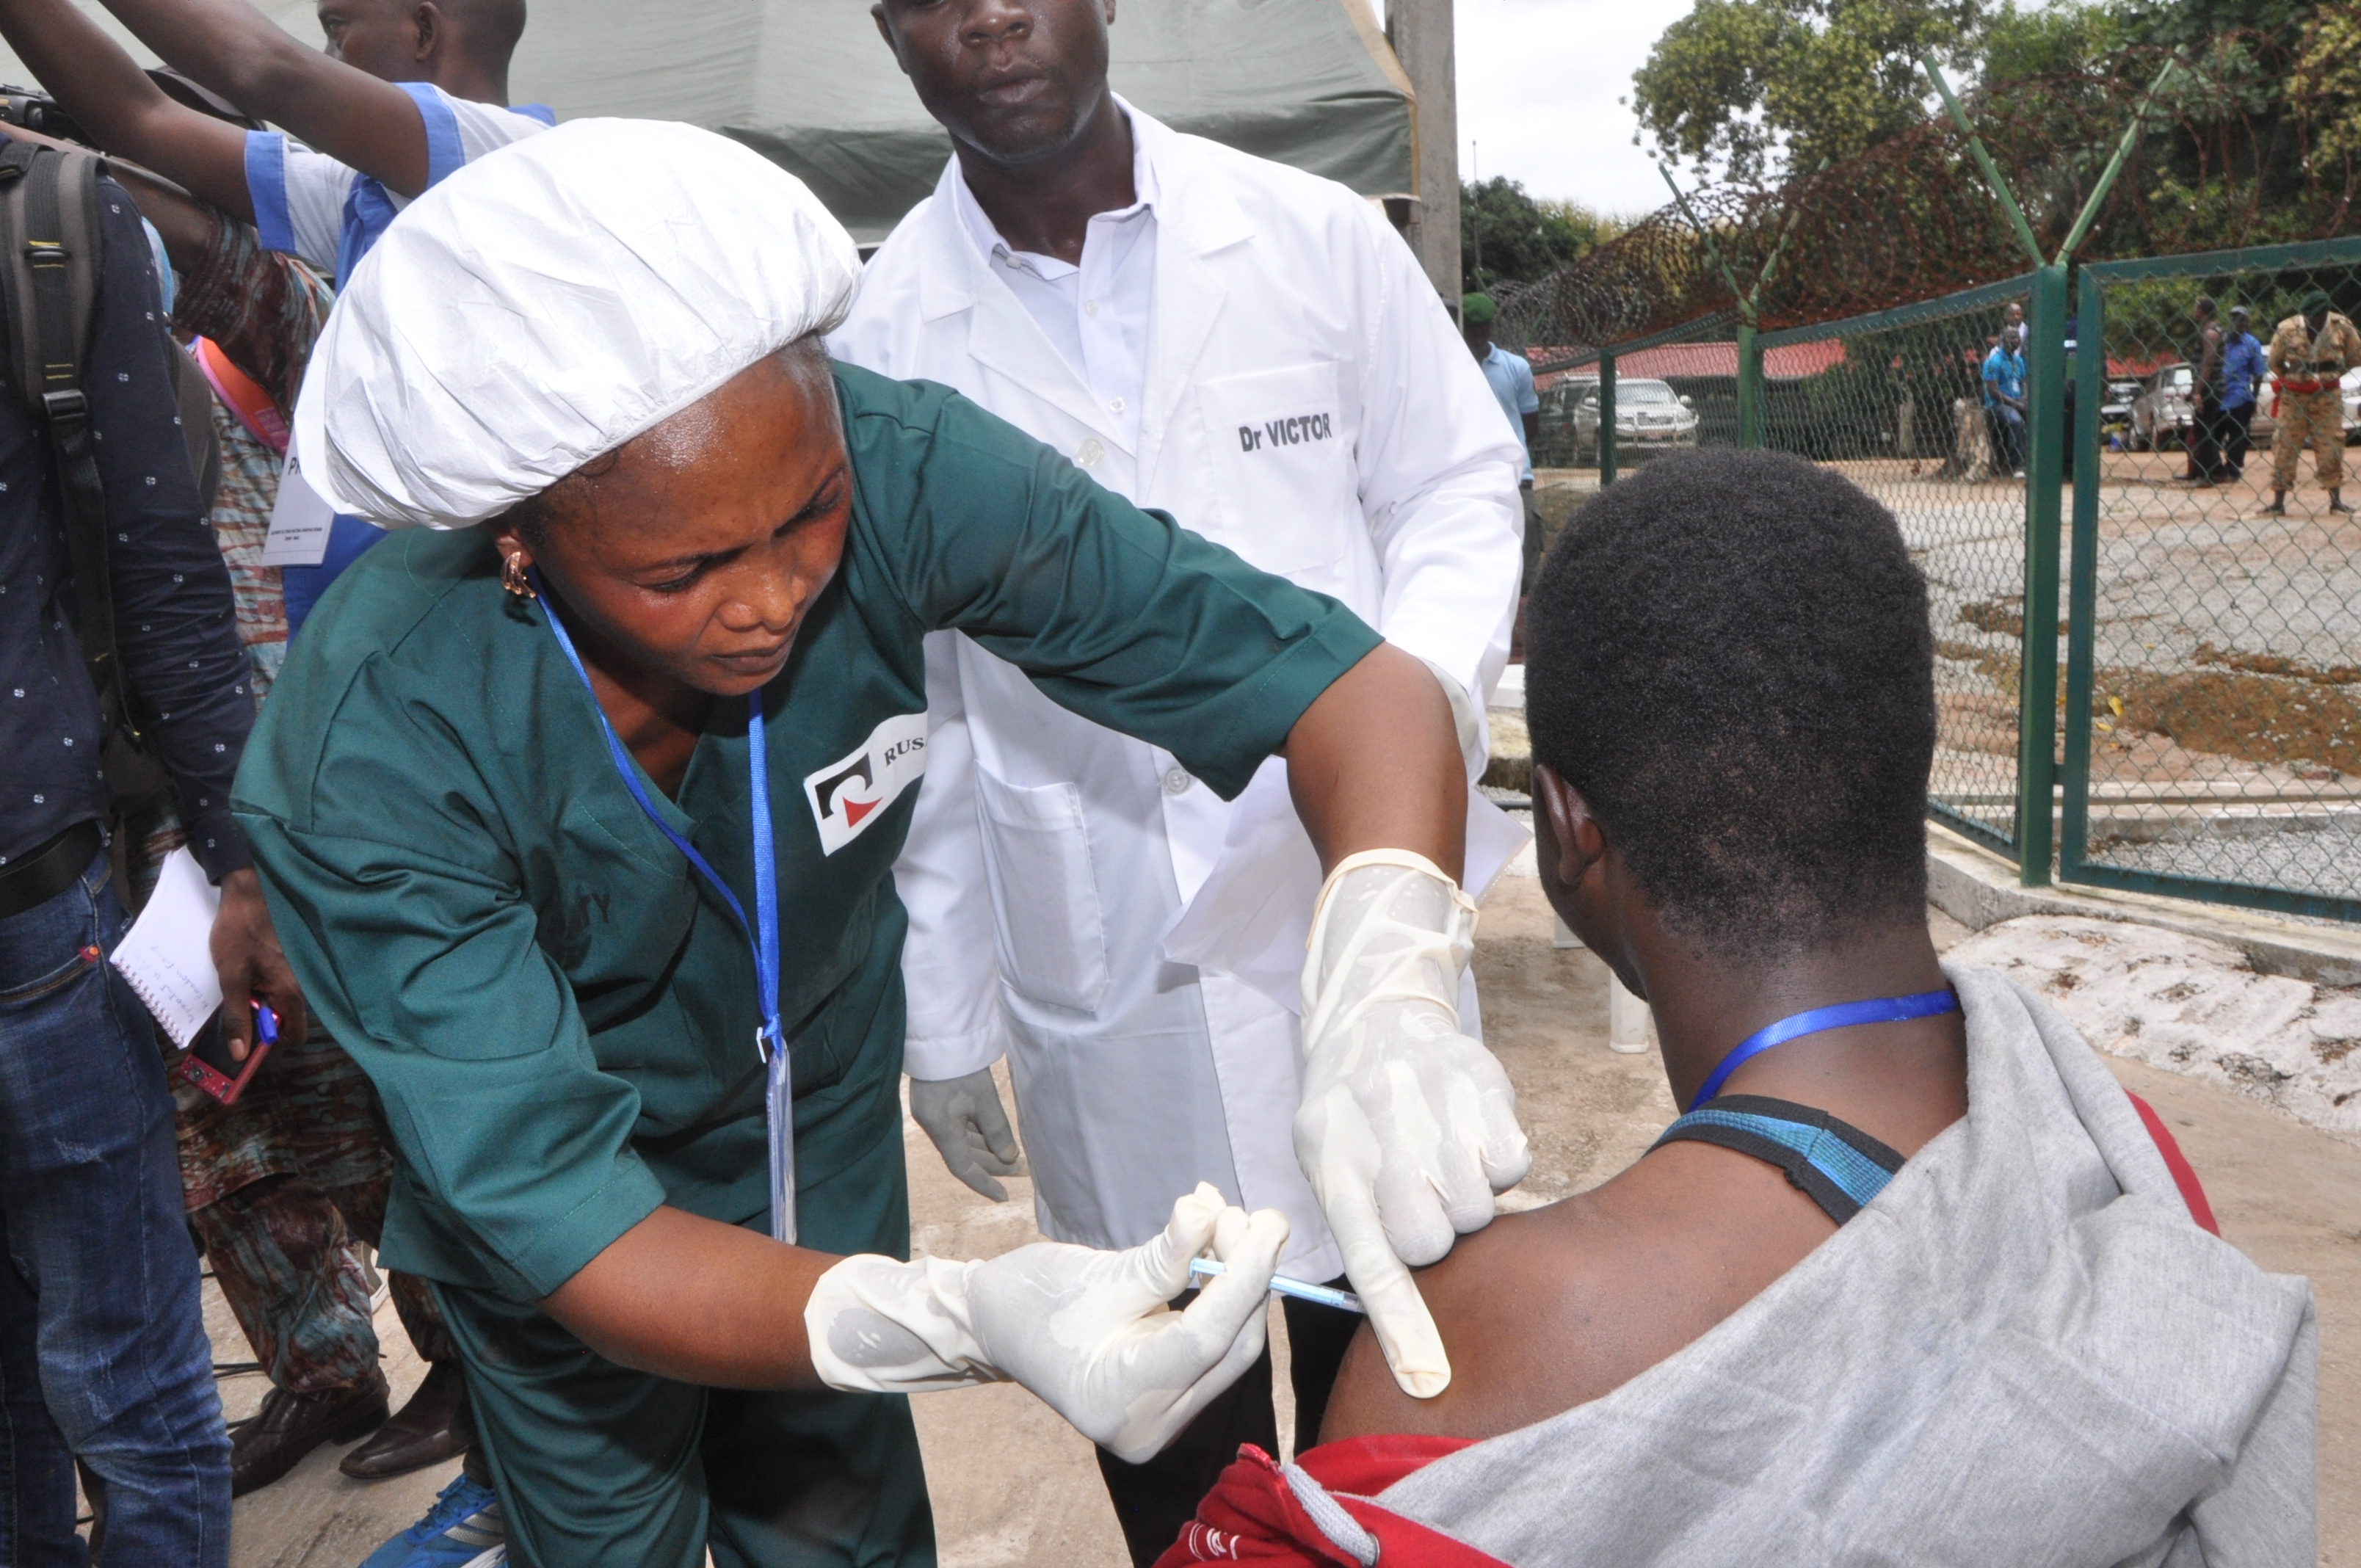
<point x="103" y="88"/>
<point x="188" y="227"/>
<point x="233" y="49"/>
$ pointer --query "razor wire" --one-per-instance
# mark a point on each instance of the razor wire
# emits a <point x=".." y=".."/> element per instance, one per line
<point x="1912" y="219"/>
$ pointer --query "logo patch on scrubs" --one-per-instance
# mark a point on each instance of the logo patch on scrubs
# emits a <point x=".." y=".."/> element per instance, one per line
<point x="852" y="792"/>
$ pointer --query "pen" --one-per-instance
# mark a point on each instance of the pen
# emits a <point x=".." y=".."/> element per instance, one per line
<point x="1281" y="1284"/>
<point x="266" y="1023"/>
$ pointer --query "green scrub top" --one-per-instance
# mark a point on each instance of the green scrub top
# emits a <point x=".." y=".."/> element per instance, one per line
<point x="557" y="1013"/>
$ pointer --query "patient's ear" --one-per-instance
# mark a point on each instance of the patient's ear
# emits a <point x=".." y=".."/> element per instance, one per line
<point x="1569" y="841"/>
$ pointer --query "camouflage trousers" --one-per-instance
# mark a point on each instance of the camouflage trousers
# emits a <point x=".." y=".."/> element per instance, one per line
<point x="279" y="1187"/>
<point x="2317" y="417"/>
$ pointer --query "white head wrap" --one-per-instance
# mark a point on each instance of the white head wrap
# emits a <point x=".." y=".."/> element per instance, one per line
<point x="550" y="302"/>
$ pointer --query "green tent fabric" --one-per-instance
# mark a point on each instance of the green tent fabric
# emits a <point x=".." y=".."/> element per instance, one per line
<point x="1307" y="83"/>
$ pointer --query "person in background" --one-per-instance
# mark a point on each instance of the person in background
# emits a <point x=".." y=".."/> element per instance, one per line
<point x="2242" y="372"/>
<point x="1252" y="350"/>
<point x="2207" y="387"/>
<point x="103" y="1350"/>
<point x="281" y="1185"/>
<point x="2310" y="353"/>
<point x="1511" y="377"/>
<point x="2004" y="403"/>
<point x="406" y="92"/>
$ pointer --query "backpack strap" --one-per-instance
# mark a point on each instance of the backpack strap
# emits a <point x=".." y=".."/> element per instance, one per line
<point x="49" y="283"/>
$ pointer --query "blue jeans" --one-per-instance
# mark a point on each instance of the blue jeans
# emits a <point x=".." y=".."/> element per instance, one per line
<point x="102" y="1348"/>
<point x="2008" y="438"/>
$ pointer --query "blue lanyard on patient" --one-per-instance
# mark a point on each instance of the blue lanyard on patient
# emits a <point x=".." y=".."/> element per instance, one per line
<point x="762" y="935"/>
<point x="1842" y="1015"/>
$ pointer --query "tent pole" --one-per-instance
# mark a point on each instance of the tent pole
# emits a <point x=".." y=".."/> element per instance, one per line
<point x="1420" y="31"/>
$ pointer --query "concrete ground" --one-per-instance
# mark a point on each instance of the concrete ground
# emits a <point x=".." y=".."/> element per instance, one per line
<point x="1014" y="1486"/>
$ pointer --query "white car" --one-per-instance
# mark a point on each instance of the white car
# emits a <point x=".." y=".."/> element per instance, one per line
<point x="1647" y="414"/>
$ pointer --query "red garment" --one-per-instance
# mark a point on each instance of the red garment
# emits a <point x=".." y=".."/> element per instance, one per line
<point x="1316" y="1513"/>
<point x="2184" y="1176"/>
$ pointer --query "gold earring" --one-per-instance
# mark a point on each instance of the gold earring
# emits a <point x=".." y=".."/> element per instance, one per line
<point x="512" y="577"/>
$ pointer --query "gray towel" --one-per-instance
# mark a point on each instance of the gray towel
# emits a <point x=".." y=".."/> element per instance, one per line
<point x="2022" y="1353"/>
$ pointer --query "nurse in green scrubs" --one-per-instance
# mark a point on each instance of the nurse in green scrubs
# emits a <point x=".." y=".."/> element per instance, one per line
<point x="502" y="798"/>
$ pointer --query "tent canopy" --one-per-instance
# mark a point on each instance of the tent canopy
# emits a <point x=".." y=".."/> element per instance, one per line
<point x="809" y="82"/>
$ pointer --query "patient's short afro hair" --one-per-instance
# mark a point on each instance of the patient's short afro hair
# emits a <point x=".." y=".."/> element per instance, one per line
<point x="1730" y="657"/>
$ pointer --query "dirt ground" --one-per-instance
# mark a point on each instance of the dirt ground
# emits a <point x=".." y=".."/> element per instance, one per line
<point x="1014" y="1486"/>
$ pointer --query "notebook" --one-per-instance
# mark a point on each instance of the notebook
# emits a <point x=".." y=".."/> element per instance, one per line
<point x="168" y="955"/>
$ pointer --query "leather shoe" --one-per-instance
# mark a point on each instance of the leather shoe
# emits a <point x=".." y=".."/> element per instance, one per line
<point x="432" y="1426"/>
<point x="289" y="1426"/>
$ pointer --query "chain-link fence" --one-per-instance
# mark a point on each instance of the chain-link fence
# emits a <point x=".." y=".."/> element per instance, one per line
<point x="2208" y="742"/>
<point x="2211" y="722"/>
<point x="1900" y="402"/>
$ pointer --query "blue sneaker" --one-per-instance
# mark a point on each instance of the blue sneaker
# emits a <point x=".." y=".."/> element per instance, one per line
<point x="463" y="1530"/>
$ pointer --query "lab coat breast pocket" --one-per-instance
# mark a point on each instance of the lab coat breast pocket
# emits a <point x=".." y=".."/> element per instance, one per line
<point x="1282" y="464"/>
<point x="1044" y="893"/>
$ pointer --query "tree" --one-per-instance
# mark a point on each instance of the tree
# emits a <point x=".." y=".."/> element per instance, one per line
<point x="1756" y="86"/>
<point x="1506" y="236"/>
<point x="2327" y="85"/>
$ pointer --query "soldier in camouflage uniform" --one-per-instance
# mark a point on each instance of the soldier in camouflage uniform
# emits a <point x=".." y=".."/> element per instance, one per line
<point x="2308" y="357"/>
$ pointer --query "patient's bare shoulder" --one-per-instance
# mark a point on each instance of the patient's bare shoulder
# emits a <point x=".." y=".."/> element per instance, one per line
<point x="1550" y="1308"/>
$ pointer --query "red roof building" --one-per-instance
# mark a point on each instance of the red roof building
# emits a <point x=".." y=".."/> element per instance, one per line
<point x="1786" y="362"/>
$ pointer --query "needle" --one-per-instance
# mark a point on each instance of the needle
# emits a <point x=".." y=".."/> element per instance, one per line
<point x="1343" y="1300"/>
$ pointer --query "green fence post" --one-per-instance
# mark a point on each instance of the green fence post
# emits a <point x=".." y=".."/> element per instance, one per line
<point x="2044" y="476"/>
<point x="2083" y="579"/>
<point x="1605" y="420"/>
<point x="1750" y="387"/>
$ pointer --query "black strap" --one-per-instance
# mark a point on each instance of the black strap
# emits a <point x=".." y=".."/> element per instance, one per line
<point x="49" y="869"/>
<point x="1802" y="1174"/>
<point x="50" y="325"/>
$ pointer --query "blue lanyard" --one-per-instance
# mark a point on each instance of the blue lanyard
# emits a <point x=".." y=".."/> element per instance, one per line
<point x="1842" y="1015"/>
<point x="762" y="934"/>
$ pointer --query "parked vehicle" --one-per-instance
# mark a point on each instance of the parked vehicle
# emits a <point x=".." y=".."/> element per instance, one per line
<point x="1555" y="447"/>
<point x="2163" y="411"/>
<point x="1648" y="415"/>
<point x="2161" y="415"/>
<point x="2115" y="407"/>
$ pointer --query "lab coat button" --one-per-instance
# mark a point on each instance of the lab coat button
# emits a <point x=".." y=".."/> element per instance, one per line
<point x="1089" y="307"/>
<point x="1177" y="781"/>
<point x="1115" y="406"/>
<point x="1090" y="454"/>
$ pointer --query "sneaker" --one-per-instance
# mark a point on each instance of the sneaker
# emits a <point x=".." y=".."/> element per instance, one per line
<point x="463" y="1530"/>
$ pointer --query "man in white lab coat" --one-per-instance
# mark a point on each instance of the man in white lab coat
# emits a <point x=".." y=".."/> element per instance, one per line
<point x="1253" y="350"/>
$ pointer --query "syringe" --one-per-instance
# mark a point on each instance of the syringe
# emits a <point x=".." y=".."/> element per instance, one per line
<point x="1281" y="1284"/>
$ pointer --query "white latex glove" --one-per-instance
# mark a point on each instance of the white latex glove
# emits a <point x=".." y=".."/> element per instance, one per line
<point x="970" y="1130"/>
<point x="1091" y="1333"/>
<point x="1408" y="1127"/>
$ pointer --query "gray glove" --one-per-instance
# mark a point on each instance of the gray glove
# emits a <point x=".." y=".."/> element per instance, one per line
<point x="964" y="1117"/>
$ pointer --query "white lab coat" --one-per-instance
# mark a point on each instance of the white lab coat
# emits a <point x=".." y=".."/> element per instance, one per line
<point x="1048" y="857"/>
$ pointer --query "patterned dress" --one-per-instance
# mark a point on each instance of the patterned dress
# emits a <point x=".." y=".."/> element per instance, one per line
<point x="281" y="1185"/>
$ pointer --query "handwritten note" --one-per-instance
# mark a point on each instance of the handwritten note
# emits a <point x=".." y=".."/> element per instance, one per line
<point x="168" y="955"/>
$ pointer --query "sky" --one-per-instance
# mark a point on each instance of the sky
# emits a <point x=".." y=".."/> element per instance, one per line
<point x="1538" y="80"/>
